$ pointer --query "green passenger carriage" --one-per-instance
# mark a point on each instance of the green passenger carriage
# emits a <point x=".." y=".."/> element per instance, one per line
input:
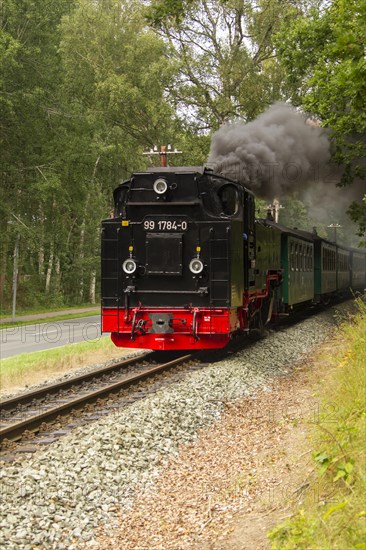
<point x="325" y="271"/>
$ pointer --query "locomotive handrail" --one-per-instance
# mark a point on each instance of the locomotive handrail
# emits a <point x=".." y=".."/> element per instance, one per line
<point x="194" y="324"/>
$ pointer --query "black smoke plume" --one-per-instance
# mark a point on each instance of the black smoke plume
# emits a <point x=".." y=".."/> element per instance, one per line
<point x="281" y="154"/>
<point x="275" y="154"/>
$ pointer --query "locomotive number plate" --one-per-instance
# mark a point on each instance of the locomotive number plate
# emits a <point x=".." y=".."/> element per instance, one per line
<point x="165" y="225"/>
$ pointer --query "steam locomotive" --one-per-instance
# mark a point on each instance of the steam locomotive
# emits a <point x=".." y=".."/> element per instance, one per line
<point x="186" y="264"/>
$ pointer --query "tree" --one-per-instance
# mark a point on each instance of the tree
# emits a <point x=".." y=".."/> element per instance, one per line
<point x="225" y="57"/>
<point x="323" y="54"/>
<point x="115" y="74"/>
<point x="83" y="96"/>
<point x="30" y="76"/>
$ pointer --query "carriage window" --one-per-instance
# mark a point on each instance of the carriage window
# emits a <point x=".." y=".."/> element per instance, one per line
<point x="292" y="260"/>
<point x="229" y="199"/>
<point x="306" y="256"/>
<point x="342" y="262"/>
<point x="301" y="257"/>
<point x="296" y="257"/>
<point x="325" y="259"/>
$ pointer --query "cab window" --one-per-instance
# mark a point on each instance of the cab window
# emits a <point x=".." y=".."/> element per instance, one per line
<point x="229" y="199"/>
<point x="120" y="198"/>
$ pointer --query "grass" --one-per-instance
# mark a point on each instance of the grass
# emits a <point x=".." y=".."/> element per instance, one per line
<point x="49" y="319"/>
<point x="32" y="311"/>
<point x="333" y="513"/>
<point x="30" y="368"/>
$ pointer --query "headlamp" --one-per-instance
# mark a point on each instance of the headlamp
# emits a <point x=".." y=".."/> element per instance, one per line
<point x="196" y="266"/>
<point x="129" y="266"/>
<point x="160" y="186"/>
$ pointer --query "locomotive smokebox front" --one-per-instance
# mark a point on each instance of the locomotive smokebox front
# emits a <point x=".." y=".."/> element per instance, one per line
<point x="172" y="261"/>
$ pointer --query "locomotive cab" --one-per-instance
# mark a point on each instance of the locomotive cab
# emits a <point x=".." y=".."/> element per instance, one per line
<point x="175" y="260"/>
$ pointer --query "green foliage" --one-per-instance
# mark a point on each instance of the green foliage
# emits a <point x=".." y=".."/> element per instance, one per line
<point x="337" y="519"/>
<point x="295" y="214"/>
<point x="224" y="56"/>
<point x="87" y="87"/>
<point x="323" y="54"/>
<point x="357" y="213"/>
<point x="160" y="11"/>
<point x="291" y="535"/>
<point x="84" y="87"/>
<point x="338" y="466"/>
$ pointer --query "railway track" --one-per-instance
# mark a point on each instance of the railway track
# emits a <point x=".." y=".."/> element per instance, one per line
<point x="30" y="411"/>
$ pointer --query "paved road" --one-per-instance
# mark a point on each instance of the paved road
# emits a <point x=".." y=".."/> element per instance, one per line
<point x="42" y="336"/>
<point x="46" y="314"/>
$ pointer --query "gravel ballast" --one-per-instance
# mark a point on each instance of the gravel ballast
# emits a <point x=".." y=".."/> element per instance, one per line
<point x="59" y="496"/>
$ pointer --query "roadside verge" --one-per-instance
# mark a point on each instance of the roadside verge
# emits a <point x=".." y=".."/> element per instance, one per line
<point x="254" y="469"/>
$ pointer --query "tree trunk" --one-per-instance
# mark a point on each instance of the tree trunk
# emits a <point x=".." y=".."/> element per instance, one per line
<point x="81" y="258"/>
<point x="3" y="267"/>
<point x="93" y="278"/>
<point x="41" y="246"/>
<point x="41" y="261"/>
<point x="82" y="237"/>
<point x="15" y="276"/>
<point x="49" y="270"/>
<point x="57" y="274"/>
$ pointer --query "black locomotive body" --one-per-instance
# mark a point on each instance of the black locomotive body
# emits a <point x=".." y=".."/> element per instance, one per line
<point x="185" y="265"/>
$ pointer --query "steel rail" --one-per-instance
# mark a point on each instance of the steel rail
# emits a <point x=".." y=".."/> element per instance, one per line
<point x="26" y="398"/>
<point x="13" y="432"/>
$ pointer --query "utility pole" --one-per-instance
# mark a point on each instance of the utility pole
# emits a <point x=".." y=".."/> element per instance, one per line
<point x="164" y="151"/>
<point x="334" y="226"/>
